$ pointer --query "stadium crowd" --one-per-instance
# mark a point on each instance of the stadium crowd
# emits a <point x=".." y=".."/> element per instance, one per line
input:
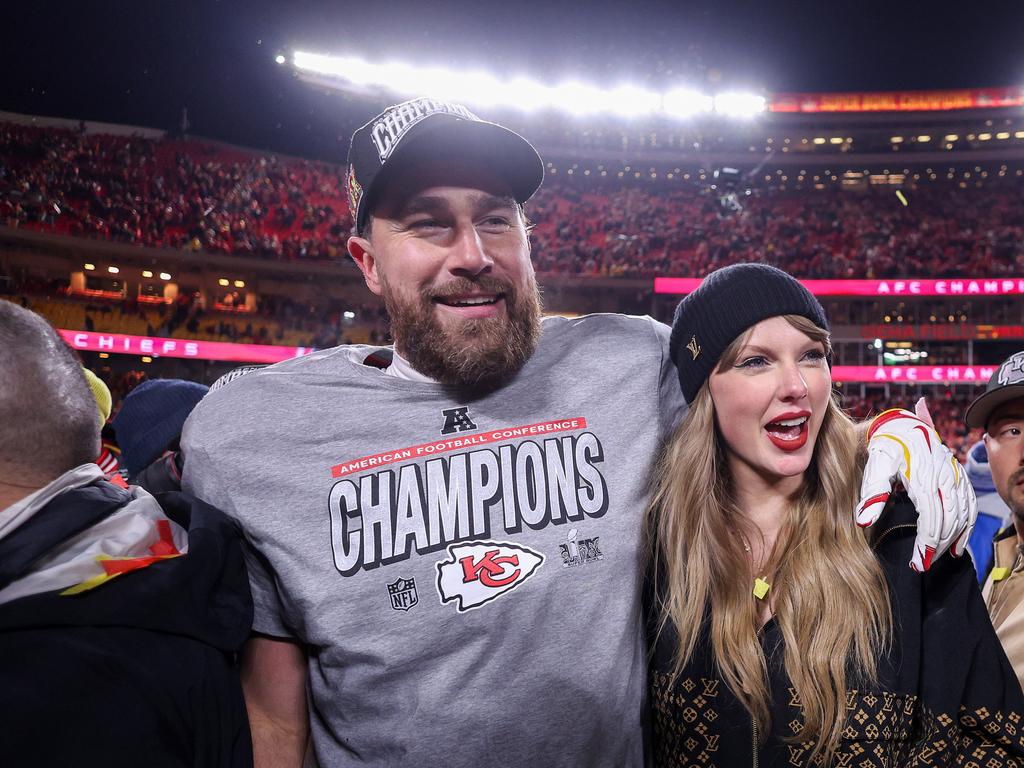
<point x="198" y="196"/>
<point x="189" y="194"/>
<point x="170" y="193"/>
<point x="635" y="231"/>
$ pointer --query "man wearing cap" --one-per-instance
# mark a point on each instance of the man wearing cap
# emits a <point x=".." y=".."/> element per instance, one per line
<point x="1000" y="411"/>
<point x="446" y="544"/>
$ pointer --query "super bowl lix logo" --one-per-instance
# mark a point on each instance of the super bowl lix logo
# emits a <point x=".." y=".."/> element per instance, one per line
<point x="478" y="572"/>
<point x="576" y="551"/>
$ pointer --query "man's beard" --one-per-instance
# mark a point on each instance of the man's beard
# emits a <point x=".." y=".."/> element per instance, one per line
<point x="472" y="354"/>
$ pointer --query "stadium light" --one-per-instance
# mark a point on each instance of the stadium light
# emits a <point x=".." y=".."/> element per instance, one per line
<point x="580" y="99"/>
<point x="633" y="101"/>
<point x="738" y="104"/>
<point x="474" y="87"/>
<point x="529" y="95"/>
<point x="484" y="89"/>
<point x="682" y="102"/>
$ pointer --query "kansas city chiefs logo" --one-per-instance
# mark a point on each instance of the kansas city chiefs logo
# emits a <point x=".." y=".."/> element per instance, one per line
<point x="480" y="571"/>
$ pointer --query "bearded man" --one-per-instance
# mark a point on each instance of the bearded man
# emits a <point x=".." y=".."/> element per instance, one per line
<point x="446" y="539"/>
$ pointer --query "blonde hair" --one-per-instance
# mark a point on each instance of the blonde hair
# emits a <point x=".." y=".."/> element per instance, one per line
<point x="830" y="596"/>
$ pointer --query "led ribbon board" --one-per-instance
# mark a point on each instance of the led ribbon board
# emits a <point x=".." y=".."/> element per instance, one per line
<point x="124" y="344"/>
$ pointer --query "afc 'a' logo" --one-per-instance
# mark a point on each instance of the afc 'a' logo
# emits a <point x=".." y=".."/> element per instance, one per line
<point x="457" y="420"/>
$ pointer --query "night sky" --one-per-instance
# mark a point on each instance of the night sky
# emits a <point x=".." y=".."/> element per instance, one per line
<point x="141" y="62"/>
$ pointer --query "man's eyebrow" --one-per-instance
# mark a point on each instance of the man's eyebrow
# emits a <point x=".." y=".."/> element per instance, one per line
<point x="1012" y="416"/>
<point x="492" y="202"/>
<point x="435" y="204"/>
<point x="421" y="204"/>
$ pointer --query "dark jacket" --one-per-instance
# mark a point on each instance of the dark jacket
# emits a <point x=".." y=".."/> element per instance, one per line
<point x="946" y="693"/>
<point x="137" y="672"/>
<point x="162" y="476"/>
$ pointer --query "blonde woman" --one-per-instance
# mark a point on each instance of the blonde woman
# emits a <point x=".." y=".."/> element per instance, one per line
<point x="783" y="635"/>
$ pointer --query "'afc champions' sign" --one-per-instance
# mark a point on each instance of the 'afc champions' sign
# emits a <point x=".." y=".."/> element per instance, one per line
<point x="124" y="344"/>
<point x="914" y="374"/>
<point x="1005" y="286"/>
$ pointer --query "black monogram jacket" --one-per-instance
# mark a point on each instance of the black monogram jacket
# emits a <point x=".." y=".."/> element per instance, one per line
<point x="946" y="694"/>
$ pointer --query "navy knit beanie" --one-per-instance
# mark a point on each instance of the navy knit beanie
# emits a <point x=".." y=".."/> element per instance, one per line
<point x="151" y="418"/>
<point x="727" y="303"/>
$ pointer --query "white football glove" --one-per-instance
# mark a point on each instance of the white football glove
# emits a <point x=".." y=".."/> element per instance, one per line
<point x="905" y="448"/>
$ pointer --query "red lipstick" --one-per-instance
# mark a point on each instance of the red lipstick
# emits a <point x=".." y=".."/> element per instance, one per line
<point x="789" y="431"/>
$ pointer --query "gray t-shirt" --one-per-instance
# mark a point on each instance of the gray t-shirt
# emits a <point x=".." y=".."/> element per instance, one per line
<point x="464" y="573"/>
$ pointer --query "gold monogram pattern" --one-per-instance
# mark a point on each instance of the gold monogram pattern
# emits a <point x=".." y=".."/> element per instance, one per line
<point x="684" y="718"/>
<point x="883" y="730"/>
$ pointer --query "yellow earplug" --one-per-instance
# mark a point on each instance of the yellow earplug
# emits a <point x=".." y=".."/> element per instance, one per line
<point x="761" y="588"/>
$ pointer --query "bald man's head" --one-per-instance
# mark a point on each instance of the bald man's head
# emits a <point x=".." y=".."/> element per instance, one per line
<point x="48" y="421"/>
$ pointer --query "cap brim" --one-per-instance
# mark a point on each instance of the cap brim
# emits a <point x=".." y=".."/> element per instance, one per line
<point x="979" y="412"/>
<point x="505" y="152"/>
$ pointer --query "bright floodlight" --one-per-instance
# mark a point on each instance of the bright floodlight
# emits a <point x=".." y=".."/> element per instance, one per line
<point x="682" y="102"/>
<point x="633" y="101"/>
<point x="739" y="104"/>
<point x="473" y="87"/>
<point x="529" y="95"/>
<point x="485" y="89"/>
<point x="280" y="59"/>
<point x="580" y="99"/>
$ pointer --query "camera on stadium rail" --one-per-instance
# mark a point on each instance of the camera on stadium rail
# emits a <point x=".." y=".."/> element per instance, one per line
<point x="730" y="187"/>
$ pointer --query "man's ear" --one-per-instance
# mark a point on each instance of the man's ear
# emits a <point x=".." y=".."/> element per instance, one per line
<point x="361" y="251"/>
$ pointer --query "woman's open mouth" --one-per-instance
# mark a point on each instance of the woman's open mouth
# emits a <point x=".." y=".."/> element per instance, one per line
<point x="789" y="433"/>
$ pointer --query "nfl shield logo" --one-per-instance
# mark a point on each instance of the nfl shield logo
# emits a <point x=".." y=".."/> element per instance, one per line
<point x="403" y="594"/>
